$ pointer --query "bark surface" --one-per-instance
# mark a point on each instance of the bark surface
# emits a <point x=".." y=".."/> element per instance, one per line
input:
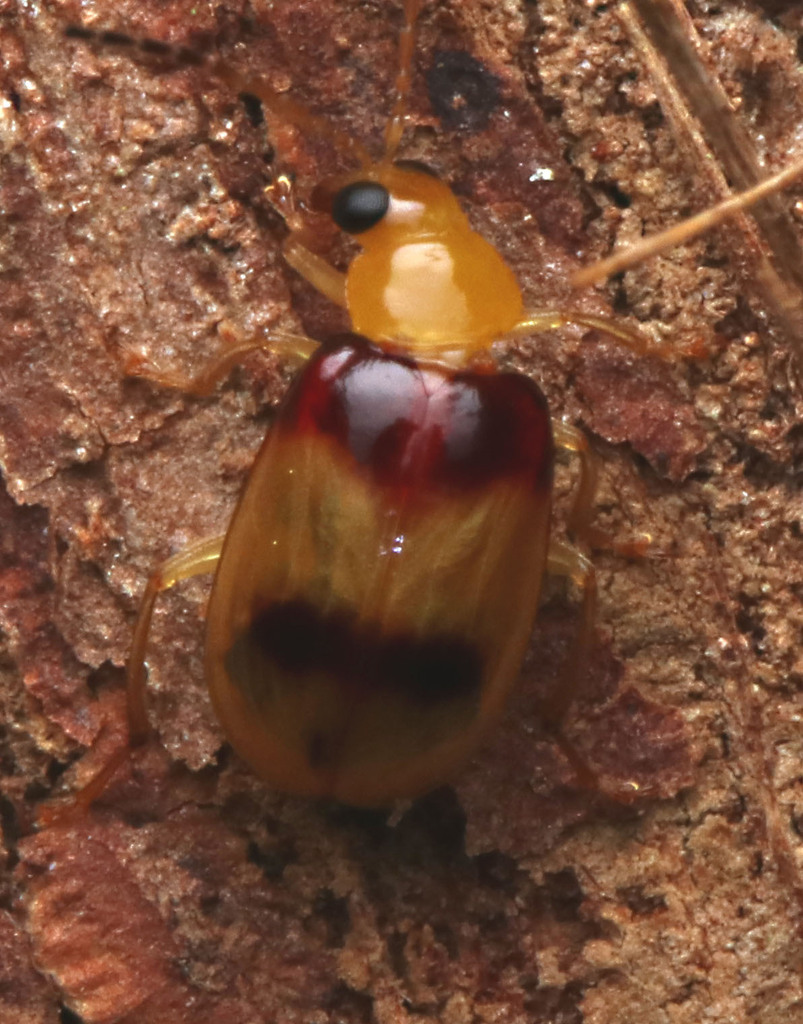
<point x="134" y="223"/>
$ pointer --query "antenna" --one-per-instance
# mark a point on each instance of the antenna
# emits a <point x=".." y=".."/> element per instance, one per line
<point x="280" y="104"/>
<point x="395" y="127"/>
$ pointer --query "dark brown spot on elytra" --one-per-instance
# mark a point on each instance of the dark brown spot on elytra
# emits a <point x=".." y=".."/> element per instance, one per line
<point x="427" y="671"/>
<point x="298" y="639"/>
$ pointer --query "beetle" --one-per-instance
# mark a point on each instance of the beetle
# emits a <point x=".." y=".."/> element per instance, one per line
<point x="376" y="589"/>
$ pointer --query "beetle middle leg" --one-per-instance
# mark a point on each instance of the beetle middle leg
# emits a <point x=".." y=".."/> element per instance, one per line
<point x="236" y="348"/>
<point x="579" y="521"/>
<point x="313" y="268"/>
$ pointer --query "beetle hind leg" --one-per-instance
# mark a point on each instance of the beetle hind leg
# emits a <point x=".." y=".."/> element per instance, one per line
<point x="565" y="560"/>
<point x="570" y="562"/>
<point x="195" y="560"/>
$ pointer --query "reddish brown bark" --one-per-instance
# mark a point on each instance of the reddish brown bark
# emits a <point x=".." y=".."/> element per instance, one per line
<point x="134" y="222"/>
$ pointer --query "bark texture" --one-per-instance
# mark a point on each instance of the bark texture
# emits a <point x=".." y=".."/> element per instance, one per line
<point x="134" y="223"/>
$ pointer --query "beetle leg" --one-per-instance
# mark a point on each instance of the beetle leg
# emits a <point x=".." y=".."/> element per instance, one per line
<point x="579" y="522"/>
<point x="574" y="440"/>
<point x="195" y="560"/>
<point x="565" y="560"/>
<point x="313" y="268"/>
<point x="320" y="274"/>
<point x="282" y="343"/>
<point x="535" y="320"/>
<point x="568" y="561"/>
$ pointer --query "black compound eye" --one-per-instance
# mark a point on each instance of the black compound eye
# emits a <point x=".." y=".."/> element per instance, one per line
<point x="359" y="206"/>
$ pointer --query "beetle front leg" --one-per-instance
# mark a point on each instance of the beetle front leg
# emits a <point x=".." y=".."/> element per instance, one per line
<point x="538" y="320"/>
<point x="313" y="268"/>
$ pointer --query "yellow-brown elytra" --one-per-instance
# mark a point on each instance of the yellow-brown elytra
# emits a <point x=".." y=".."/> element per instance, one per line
<point x="376" y="589"/>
